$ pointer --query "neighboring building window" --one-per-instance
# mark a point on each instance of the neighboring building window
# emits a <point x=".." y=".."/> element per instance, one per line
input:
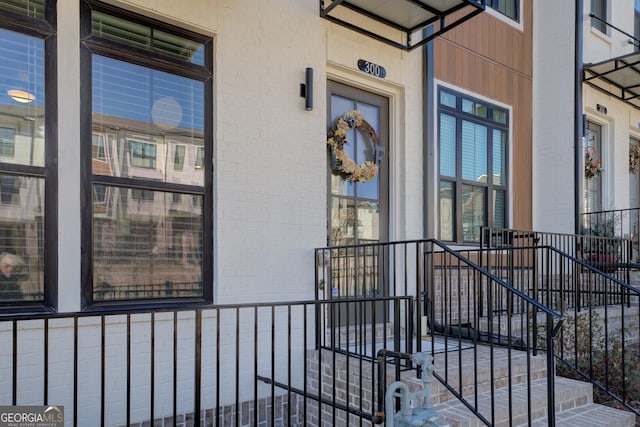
<point x="97" y="148"/>
<point x="143" y="155"/>
<point x="599" y="9"/>
<point x="27" y="153"/>
<point x="7" y="142"/>
<point x="473" y="187"/>
<point x="593" y="185"/>
<point x="506" y="7"/>
<point x="151" y="88"/>
<point x="178" y="158"/>
<point x="199" y="157"/>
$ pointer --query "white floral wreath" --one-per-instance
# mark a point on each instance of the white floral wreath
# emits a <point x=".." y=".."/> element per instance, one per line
<point x="336" y="138"/>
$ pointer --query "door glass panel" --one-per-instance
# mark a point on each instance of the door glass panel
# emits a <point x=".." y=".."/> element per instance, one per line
<point x="343" y="221"/>
<point x="365" y="149"/>
<point x="368" y="221"/>
<point x="593" y="185"/>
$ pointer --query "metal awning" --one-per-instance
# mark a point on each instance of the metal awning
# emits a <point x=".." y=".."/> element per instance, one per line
<point x="405" y="24"/>
<point x="618" y="77"/>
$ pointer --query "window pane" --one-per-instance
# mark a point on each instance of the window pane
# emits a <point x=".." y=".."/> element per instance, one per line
<point x="368" y="221"/>
<point x="447" y="211"/>
<point x="31" y="8"/>
<point x="499" y="208"/>
<point x="593" y="185"/>
<point x="147" y="112"/>
<point x="22" y="99"/>
<point x="500" y="116"/>
<point x="447" y="145"/>
<point x="21" y="238"/>
<point x="145" y="37"/>
<point x="475" y="108"/>
<point x="599" y="9"/>
<point x="147" y="247"/>
<point x="7" y="142"/>
<point x="506" y="7"/>
<point x="447" y="99"/>
<point x="473" y="212"/>
<point x="499" y="157"/>
<point x="178" y="157"/>
<point x="343" y="221"/>
<point x="474" y="152"/>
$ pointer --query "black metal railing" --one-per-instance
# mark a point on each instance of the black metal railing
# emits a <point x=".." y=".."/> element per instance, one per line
<point x="611" y="253"/>
<point x="477" y="353"/>
<point x="251" y="364"/>
<point x="599" y="342"/>
<point x="623" y="223"/>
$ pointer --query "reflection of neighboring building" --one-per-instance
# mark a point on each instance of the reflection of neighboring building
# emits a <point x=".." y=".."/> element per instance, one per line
<point x="157" y="224"/>
<point x="22" y="197"/>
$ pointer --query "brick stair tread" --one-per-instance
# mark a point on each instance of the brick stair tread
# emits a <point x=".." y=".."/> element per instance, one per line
<point x="569" y="395"/>
<point x="470" y="361"/>
<point x="591" y="415"/>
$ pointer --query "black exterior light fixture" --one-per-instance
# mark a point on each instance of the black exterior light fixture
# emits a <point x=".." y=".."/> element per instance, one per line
<point x="405" y="24"/>
<point x="306" y="89"/>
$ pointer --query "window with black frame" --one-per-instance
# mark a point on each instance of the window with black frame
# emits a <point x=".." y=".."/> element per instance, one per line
<point x="151" y="86"/>
<point x="509" y="8"/>
<point x="473" y="153"/>
<point x="27" y="153"/>
<point x="599" y="9"/>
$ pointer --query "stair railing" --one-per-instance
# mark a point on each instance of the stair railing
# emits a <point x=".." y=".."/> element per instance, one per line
<point x="477" y="349"/>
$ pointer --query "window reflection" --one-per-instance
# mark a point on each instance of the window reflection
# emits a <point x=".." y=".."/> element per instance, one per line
<point x="21" y="237"/>
<point x="147" y="244"/>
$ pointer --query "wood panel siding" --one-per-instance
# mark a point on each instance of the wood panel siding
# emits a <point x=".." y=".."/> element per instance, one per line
<point x="493" y="59"/>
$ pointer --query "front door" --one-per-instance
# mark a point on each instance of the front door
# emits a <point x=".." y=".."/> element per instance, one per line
<point x="358" y="209"/>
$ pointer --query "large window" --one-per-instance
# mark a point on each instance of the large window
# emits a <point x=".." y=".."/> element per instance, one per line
<point x="473" y="152"/>
<point x="506" y="7"/>
<point x="27" y="154"/>
<point x="151" y="94"/>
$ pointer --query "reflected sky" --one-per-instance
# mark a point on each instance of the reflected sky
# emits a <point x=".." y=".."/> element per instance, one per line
<point x="22" y="66"/>
<point x="142" y="94"/>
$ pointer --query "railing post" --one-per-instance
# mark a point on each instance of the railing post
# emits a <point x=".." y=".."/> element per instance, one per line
<point x="551" y="373"/>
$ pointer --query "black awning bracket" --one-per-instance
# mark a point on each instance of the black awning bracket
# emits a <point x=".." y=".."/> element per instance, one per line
<point x="618" y="77"/>
<point x="405" y="24"/>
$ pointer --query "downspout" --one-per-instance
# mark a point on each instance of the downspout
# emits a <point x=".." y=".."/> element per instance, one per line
<point x="578" y="126"/>
<point x="430" y="186"/>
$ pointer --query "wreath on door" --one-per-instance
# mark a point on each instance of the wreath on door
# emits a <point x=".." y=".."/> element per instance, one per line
<point x="341" y="162"/>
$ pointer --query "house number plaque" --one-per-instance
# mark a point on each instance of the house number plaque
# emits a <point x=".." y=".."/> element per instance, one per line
<point x="371" y="68"/>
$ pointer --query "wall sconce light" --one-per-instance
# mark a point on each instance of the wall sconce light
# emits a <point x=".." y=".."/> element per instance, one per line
<point x="306" y="89"/>
<point x="21" y="96"/>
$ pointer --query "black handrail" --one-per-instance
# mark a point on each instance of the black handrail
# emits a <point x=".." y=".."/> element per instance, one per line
<point x="432" y="272"/>
<point x="601" y="343"/>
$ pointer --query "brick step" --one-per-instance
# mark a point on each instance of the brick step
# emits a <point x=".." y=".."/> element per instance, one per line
<point x="572" y="397"/>
<point x="591" y="415"/>
<point x="476" y="373"/>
